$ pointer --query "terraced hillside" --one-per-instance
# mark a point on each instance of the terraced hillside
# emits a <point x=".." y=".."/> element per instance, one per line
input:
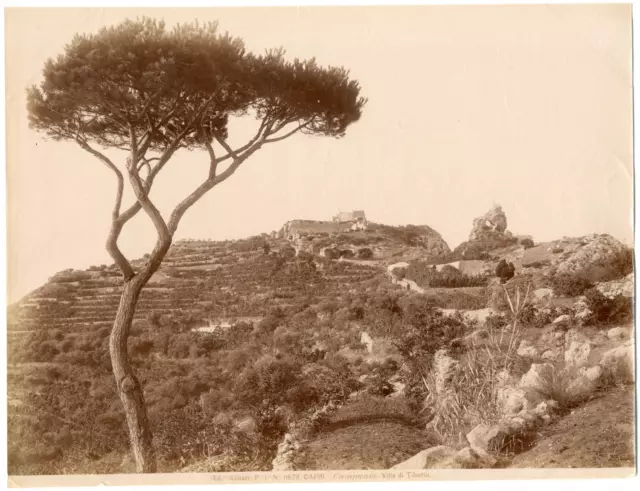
<point x="199" y="279"/>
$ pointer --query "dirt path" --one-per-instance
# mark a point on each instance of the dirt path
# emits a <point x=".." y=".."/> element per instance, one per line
<point x="598" y="434"/>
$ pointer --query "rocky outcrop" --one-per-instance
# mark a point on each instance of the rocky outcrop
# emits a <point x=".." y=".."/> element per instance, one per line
<point x="488" y="233"/>
<point x="491" y="224"/>
<point x="582" y="254"/>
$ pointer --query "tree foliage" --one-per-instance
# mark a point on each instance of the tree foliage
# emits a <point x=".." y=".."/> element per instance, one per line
<point x="140" y="76"/>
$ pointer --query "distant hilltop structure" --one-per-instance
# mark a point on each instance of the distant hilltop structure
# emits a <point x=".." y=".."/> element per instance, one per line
<point x="349" y="216"/>
<point x="342" y="222"/>
<point x="356" y="218"/>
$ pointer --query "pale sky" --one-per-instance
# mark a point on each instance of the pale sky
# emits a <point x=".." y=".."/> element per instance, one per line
<point x="526" y="106"/>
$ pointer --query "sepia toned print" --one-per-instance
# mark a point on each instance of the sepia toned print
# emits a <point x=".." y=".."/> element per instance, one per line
<point x="397" y="247"/>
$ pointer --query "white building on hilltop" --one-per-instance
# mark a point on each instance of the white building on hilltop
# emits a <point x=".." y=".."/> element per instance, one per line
<point x="350" y="216"/>
<point x="356" y="218"/>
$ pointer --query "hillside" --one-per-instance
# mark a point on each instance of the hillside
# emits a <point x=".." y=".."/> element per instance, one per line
<point x="307" y="335"/>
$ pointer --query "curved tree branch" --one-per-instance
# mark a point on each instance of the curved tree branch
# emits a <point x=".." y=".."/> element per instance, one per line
<point x="212" y="180"/>
<point x="287" y="135"/>
<point x="263" y="128"/>
<point x="116" y="224"/>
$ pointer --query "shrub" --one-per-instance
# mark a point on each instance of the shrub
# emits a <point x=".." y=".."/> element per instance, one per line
<point x="448" y="277"/>
<point x="287" y="252"/>
<point x="557" y="385"/>
<point x="347" y="253"/>
<point x="608" y="310"/>
<point x="365" y="253"/>
<point x="331" y="253"/>
<point x="505" y="271"/>
<point x="570" y="284"/>
<point x="531" y="316"/>
<point x="527" y="243"/>
<point x="611" y="268"/>
<point x="622" y="265"/>
<point x="428" y="331"/>
<point x="305" y="256"/>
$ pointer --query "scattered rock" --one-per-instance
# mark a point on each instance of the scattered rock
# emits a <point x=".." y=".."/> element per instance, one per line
<point x="562" y="320"/>
<point x="529" y="415"/>
<point x="546" y="408"/>
<point x="542" y="294"/>
<point x="527" y="350"/>
<point x="550" y="355"/>
<point x="511" y="400"/>
<point x="503" y="378"/>
<point x="398" y="386"/>
<point x="246" y="425"/>
<point x="583" y="316"/>
<point x="538" y="377"/>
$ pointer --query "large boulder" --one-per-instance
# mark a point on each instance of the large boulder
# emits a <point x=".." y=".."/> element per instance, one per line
<point x="586" y="254"/>
<point x="618" y="362"/>
<point x="585" y="383"/>
<point x="578" y="354"/>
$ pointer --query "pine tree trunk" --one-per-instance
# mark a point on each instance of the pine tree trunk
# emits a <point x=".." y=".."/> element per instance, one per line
<point x="128" y="386"/>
